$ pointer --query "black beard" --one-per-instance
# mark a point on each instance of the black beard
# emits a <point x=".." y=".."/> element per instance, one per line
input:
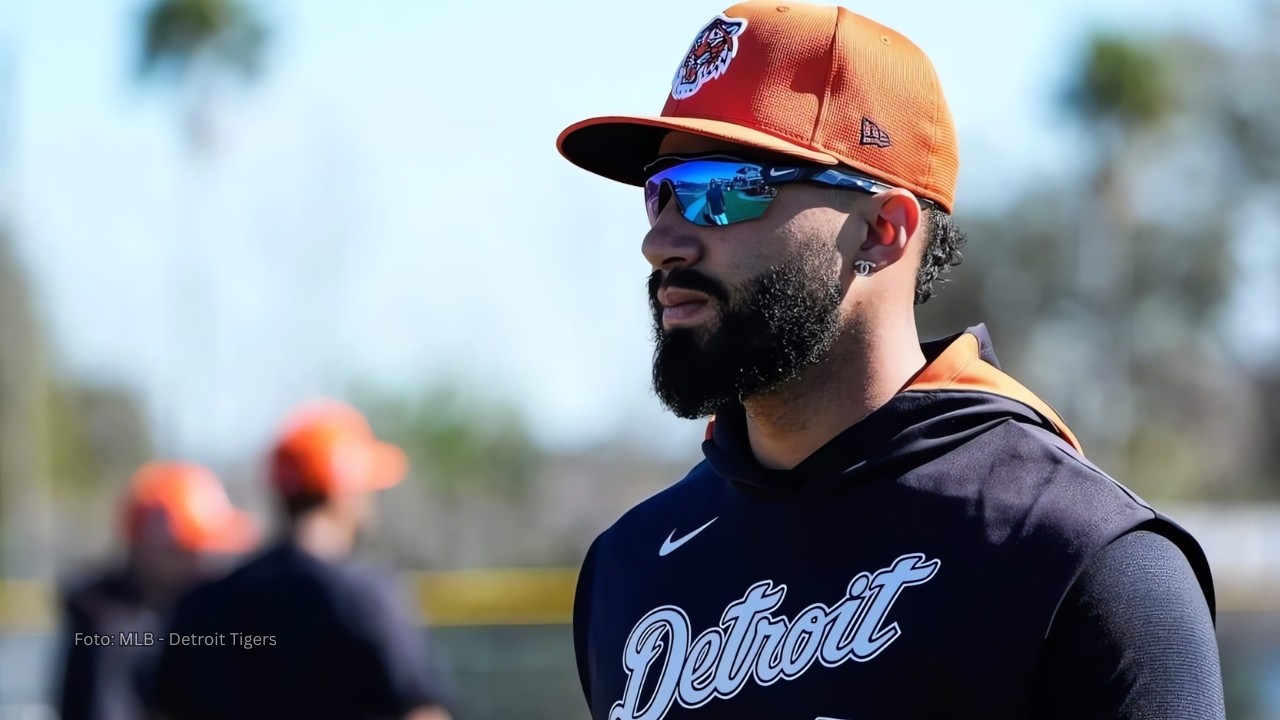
<point x="767" y="332"/>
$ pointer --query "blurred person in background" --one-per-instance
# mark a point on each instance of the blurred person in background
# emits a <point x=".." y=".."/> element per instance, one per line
<point x="882" y="527"/>
<point x="180" y="529"/>
<point x="715" y="203"/>
<point x="304" y="630"/>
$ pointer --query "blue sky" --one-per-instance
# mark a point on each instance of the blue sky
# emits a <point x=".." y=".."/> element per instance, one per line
<point x="387" y="205"/>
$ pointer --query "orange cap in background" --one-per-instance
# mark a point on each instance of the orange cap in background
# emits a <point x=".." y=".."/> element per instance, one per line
<point x="818" y="83"/>
<point x="193" y="504"/>
<point x="327" y="447"/>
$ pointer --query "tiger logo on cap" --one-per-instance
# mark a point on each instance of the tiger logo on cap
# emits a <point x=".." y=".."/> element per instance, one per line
<point x="709" y="55"/>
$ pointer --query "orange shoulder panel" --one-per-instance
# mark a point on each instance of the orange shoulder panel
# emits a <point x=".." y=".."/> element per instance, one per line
<point x="959" y="367"/>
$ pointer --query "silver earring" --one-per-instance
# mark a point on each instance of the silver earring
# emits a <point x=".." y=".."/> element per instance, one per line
<point x="863" y="268"/>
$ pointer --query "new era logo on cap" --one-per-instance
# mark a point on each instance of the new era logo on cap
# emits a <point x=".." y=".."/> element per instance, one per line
<point x="873" y="135"/>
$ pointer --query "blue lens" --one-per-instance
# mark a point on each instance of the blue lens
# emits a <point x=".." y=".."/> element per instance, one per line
<point x="710" y="192"/>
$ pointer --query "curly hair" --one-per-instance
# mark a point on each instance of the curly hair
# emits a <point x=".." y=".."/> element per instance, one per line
<point x="943" y="241"/>
<point x="941" y="251"/>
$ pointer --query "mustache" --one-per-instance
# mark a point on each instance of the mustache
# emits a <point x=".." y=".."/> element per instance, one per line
<point x="686" y="279"/>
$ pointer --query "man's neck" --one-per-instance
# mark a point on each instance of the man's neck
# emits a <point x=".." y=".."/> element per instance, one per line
<point x="323" y="536"/>
<point x="857" y="377"/>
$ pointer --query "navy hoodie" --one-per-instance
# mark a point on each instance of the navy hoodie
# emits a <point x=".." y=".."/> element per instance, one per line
<point x="910" y="568"/>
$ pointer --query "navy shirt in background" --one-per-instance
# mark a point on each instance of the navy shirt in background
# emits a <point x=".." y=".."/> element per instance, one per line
<point x="100" y="679"/>
<point x="294" y="636"/>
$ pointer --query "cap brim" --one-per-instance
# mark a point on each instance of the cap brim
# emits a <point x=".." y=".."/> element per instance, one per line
<point x="237" y="533"/>
<point x="619" y="147"/>
<point x="389" y="466"/>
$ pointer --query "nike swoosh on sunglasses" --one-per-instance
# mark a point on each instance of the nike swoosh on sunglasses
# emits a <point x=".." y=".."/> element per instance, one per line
<point x="722" y="190"/>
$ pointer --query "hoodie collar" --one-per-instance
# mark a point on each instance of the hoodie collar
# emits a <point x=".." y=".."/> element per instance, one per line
<point x="967" y="362"/>
<point x="960" y="393"/>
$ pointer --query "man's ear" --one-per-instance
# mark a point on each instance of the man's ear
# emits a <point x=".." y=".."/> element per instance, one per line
<point x="893" y="217"/>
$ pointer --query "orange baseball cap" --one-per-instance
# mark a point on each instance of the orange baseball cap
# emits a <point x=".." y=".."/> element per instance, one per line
<point x="193" y="504"/>
<point x="818" y="83"/>
<point x="327" y="447"/>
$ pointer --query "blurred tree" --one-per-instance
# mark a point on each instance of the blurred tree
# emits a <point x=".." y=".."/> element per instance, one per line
<point x="198" y="44"/>
<point x="459" y="444"/>
<point x="102" y="438"/>
<point x="475" y="495"/>
<point x="64" y="446"/>
<point x="25" y="489"/>
<point x="1242" y="105"/>
<point x="1210" y="186"/>
<point x="197" y="49"/>
<point x="1119" y="94"/>
<point x="1108" y="286"/>
<point x="1121" y="83"/>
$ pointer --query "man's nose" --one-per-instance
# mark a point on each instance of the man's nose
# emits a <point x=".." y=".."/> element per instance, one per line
<point x="672" y="241"/>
